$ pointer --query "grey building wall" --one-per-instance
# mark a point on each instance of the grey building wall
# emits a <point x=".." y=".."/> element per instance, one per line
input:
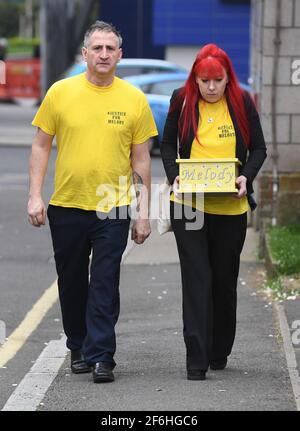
<point x="263" y="21"/>
<point x="282" y="206"/>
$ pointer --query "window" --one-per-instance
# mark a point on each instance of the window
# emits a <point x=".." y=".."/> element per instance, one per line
<point x="166" y="88"/>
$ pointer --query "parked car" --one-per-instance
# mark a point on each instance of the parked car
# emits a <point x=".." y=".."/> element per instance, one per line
<point x="158" y="83"/>
<point x="158" y="89"/>
<point x="132" y="66"/>
<point x="159" y="105"/>
<point x="164" y="83"/>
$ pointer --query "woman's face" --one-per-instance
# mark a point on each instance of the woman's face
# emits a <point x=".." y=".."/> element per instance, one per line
<point x="212" y="90"/>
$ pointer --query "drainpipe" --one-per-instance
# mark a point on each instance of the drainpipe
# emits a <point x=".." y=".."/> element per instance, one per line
<point x="275" y="154"/>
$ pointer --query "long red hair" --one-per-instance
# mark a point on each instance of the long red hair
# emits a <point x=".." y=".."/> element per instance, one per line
<point x="211" y="61"/>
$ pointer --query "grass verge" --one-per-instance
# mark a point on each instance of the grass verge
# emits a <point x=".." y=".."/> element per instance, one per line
<point x="283" y="244"/>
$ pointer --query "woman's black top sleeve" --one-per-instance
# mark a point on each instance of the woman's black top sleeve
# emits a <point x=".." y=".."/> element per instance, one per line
<point x="168" y="146"/>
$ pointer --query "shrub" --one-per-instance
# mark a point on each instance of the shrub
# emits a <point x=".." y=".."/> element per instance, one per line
<point x="284" y="242"/>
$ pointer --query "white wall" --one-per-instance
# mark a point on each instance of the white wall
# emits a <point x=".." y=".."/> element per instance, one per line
<point x="182" y="55"/>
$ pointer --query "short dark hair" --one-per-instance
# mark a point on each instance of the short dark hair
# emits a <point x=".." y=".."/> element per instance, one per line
<point x="101" y="26"/>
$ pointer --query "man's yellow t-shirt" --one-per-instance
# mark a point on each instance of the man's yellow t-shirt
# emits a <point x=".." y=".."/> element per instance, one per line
<point x="217" y="140"/>
<point x="95" y="128"/>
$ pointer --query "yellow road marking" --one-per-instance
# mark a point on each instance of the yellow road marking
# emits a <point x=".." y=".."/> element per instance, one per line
<point x="30" y="322"/>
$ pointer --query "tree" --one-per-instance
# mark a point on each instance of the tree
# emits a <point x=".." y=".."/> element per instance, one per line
<point x="9" y="19"/>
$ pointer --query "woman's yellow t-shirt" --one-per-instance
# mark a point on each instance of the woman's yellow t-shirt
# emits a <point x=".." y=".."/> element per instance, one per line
<point x="217" y="140"/>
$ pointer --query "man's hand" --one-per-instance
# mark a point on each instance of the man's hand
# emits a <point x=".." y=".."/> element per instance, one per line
<point x="40" y="153"/>
<point x="140" y="230"/>
<point x="241" y="183"/>
<point x="36" y="212"/>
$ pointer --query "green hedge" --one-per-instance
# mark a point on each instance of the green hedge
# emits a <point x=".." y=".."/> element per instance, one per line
<point x="284" y="242"/>
<point x="18" y="45"/>
<point x="19" y="41"/>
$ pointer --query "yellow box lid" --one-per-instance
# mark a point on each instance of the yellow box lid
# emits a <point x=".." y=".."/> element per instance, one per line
<point x="227" y="160"/>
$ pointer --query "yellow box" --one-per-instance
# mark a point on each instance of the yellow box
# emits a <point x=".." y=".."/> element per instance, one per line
<point x="208" y="175"/>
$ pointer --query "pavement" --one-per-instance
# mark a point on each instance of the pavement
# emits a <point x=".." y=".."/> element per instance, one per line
<point x="261" y="375"/>
<point x="15" y="123"/>
<point x="262" y="372"/>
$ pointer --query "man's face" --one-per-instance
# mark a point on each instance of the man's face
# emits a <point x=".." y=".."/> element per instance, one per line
<point x="102" y="53"/>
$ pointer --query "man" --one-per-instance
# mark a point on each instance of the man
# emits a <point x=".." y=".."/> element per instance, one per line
<point x="102" y="126"/>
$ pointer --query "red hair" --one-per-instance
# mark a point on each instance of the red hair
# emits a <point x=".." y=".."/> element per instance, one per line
<point x="211" y="62"/>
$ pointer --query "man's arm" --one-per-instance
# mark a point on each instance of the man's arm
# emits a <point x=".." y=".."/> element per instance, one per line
<point x="38" y="163"/>
<point x="141" y="171"/>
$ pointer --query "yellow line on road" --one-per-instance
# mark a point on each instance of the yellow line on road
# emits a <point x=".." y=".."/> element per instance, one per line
<point x="31" y="321"/>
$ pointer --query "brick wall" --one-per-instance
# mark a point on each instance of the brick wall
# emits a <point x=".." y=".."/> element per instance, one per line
<point x="263" y="21"/>
<point x="288" y="203"/>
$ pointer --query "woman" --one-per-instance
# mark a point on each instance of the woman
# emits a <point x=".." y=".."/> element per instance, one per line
<point x="213" y="118"/>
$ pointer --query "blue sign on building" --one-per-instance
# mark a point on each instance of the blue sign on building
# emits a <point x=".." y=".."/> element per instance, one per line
<point x="134" y="19"/>
<point x="198" y="22"/>
<point x="149" y="27"/>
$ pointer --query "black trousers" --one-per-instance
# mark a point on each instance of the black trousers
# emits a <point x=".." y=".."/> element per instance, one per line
<point x="89" y="293"/>
<point x="209" y="260"/>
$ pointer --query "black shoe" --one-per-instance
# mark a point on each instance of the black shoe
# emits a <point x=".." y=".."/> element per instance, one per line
<point x="218" y="364"/>
<point x="78" y="364"/>
<point x="102" y="372"/>
<point x="196" y="374"/>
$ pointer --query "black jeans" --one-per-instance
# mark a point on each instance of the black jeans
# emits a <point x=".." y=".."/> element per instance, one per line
<point x="209" y="260"/>
<point x="89" y="299"/>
